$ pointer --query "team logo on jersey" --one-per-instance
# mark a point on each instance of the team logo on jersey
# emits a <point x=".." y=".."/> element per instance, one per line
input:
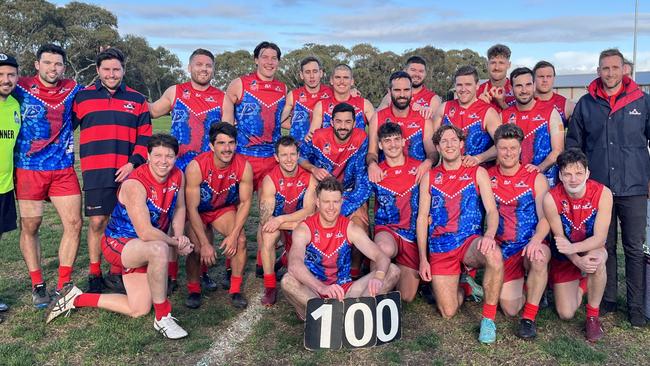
<point x="16" y="117"/>
<point x="438" y="179"/>
<point x="398" y="171"/>
<point x="512" y="118"/>
<point x="327" y="148"/>
<point x="64" y="90"/>
<point x="328" y="235"/>
<point x="34" y="89"/>
<point x="220" y="176"/>
<point x="538" y="118"/>
<point x="437" y="202"/>
<point x="338" y="235"/>
<point x="278" y="88"/>
<point x="413" y="125"/>
<point x="253" y="85"/>
<point x="465" y="177"/>
<point x="634" y="112"/>
<point x="324" y="96"/>
<point x="351" y="148"/>
<point x="186" y="94"/>
<point x="506" y="182"/>
<point x="493" y="182"/>
<point x="267" y="86"/>
<point x="129" y="106"/>
<point x="302" y="98"/>
<point x="173" y="187"/>
<point x="452" y="111"/>
<point x="316" y="236"/>
<point x="565" y="205"/>
<point x="524" y="117"/>
<point x="300" y="184"/>
<point x="153" y="194"/>
<point x="232" y="176"/>
<point x="413" y="171"/>
<point x="210" y="99"/>
<point x="521" y="184"/>
<point x="474" y="116"/>
<point x="330" y="108"/>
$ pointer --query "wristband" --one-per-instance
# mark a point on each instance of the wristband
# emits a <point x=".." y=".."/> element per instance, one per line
<point x="380" y="275"/>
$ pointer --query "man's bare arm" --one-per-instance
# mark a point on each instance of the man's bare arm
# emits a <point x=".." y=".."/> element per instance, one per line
<point x="163" y="105"/>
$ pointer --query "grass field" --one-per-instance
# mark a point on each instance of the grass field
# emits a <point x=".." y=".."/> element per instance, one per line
<point x="94" y="337"/>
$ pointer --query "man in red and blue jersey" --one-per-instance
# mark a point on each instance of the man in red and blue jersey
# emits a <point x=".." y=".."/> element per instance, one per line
<point x="342" y="82"/>
<point x="497" y="90"/>
<point x="522" y="231"/>
<point x="287" y="197"/>
<point x="579" y="211"/>
<point x="417" y="131"/>
<point x="449" y="230"/>
<point x="477" y="119"/>
<point x="544" y="78"/>
<point x="298" y="110"/>
<point x="115" y="127"/>
<point x="219" y="194"/>
<point x="422" y="97"/>
<point x="541" y="123"/>
<point x="321" y="255"/>
<point x="150" y="201"/>
<point x="44" y="159"/>
<point x="194" y="105"/>
<point x="396" y="208"/>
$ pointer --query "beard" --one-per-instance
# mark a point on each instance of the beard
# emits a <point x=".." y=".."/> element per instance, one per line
<point x="401" y="103"/>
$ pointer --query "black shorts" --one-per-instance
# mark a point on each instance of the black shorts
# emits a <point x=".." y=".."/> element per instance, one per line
<point x="7" y="212"/>
<point x="100" y="202"/>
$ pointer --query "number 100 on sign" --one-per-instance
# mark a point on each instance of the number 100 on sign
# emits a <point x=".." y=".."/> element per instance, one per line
<point x="353" y="323"/>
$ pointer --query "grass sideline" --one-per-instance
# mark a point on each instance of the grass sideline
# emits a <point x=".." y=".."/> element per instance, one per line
<point x="94" y="337"/>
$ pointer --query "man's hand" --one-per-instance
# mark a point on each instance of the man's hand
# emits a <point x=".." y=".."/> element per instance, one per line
<point x="375" y="174"/>
<point x="272" y="225"/>
<point x="426" y="112"/>
<point x="588" y="263"/>
<point x="333" y="291"/>
<point x="498" y="95"/>
<point x="532" y="168"/>
<point x="533" y="251"/>
<point x="470" y="160"/>
<point x="486" y="244"/>
<point x="185" y="247"/>
<point x="309" y="135"/>
<point x="229" y="245"/>
<point x="564" y="246"/>
<point x="123" y="172"/>
<point x="425" y="270"/>
<point x="374" y="286"/>
<point x="486" y="96"/>
<point x="320" y="174"/>
<point x="208" y="255"/>
<point x="423" y="168"/>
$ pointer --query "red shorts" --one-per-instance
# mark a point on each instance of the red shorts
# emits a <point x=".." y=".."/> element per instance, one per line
<point x="564" y="271"/>
<point x="513" y="267"/>
<point x="261" y="168"/>
<point x="112" y="249"/>
<point x="209" y="217"/>
<point x="407" y="252"/>
<point x="37" y="185"/>
<point x="346" y="287"/>
<point x="447" y="264"/>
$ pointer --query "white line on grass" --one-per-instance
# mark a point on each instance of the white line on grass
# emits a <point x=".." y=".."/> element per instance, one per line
<point x="236" y="333"/>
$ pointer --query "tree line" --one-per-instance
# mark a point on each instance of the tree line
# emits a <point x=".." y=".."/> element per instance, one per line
<point x="83" y="29"/>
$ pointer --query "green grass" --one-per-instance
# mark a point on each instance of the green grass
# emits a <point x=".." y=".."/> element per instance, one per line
<point x="96" y="337"/>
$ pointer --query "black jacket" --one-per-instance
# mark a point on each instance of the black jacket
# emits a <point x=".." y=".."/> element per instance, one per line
<point x="615" y="140"/>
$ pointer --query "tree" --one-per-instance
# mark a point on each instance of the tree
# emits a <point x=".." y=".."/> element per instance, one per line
<point x="231" y="65"/>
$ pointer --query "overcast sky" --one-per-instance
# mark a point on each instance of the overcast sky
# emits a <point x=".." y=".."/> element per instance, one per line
<point x="568" y="33"/>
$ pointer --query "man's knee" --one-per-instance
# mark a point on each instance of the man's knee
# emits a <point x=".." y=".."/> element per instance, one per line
<point x="140" y="311"/>
<point x="268" y="242"/>
<point x="30" y="225"/>
<point x="289" y="283"/>
<point x="97" y="223"/>
<point x="564" y="312"/>
<point x="73" y="224"/>
<point x="511" y="307"/>
<point x="447" y="310"/>
<point x="539" y="267"/>
<point x="158" y="251"/>
<point x="494" y="259"/>
<point x="241" y="242"/>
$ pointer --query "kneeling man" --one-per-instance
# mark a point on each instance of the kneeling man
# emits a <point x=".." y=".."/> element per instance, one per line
<point x="321" y="255"/>
<point x="149" y="201"/>
<point x="579" y="211"/>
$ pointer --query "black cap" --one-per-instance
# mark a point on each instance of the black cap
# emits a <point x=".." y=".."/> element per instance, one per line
<point x="7" y="60"/>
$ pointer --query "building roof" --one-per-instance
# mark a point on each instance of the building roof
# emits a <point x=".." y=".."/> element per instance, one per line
<point x="583" y="80"/>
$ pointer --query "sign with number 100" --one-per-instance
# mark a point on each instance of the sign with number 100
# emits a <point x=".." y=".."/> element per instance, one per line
<point x="353" y="323"/>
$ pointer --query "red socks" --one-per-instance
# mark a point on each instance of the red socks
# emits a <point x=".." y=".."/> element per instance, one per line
<point x="489" y="311"/>
<point x="87" y="301"/>
<point x="270" y="281"/>
<point x="36" y="276"/>
<point x="65" y="272"/>
<point x="235" y="284"/>
<point x="194" y="287"/>
<point x="95" y="268"/>
<point x="530" y="311"/>
<point x="172" y="270"/>
<point x="592" y="311"/>
<point x="163" y="309"/>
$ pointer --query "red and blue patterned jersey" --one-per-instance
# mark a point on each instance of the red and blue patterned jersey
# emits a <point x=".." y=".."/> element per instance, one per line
<point x="289" y="191"/>
<point x="193" y="112"/>
<point x="258" y="115"/>
<point x="219" y="187"/>
<point x="515" y="198"/>
<point x="45" y="140"/>
<point x="346" y="162"/>
<point x="328" y="256"/>
<point x="396" y="198"/>
<point x="456" y="208"/>
<point x="507" y="89"/>
<point x="471" y="120"/>
<point x="161" y="201"/>
<point x="559" y="102"/>
<point x="412" y="131"/>
<point x="303" y="108"/>
<point x="422" y="98"/>
<point x="358" y="104"/>
<point x="537" y="135"/>
<point x="578" y="215"/>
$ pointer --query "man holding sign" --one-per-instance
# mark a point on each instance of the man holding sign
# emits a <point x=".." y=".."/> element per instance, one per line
<point x="321" y="255"/>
